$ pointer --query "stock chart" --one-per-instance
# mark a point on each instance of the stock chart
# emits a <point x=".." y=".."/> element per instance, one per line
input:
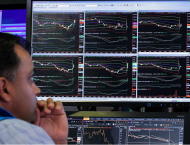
<point x="145" y="135"/>
<point x="162" y="76"/>
<point x="162" y="31"/>
<point x="102" y="135"/>
<point x="56" y="75"/>
<point x="108" y="32"/>
<point x="57" y="32"/>
<point x="107" y="76"/>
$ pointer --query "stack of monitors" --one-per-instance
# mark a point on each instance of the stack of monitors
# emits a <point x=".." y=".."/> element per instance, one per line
<point x="106" y="51"/>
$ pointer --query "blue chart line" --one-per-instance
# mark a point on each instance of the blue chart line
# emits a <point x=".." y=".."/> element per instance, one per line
<point x="66" y="40"/>
<point x="71" y="82"/>
<point x="53" y="47"/>
<point x="57" y="93"/>
<point x="160" y="85"/>
<point x="106" y="39"/>
<point x="162" y="40"/>
<point x="124" y="92"/>
<point x="162" y="78"/>
<point x="108" y="83"/>
<point x="101" y="48"/>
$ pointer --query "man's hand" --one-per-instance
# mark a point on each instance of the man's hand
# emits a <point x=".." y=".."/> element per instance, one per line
<point x="52" y="118"/>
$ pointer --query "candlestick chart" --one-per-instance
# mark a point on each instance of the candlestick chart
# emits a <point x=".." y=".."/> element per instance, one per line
<point x="162" y="76"/>
<point x="107" y="76"/>
<point x="162" y="31"/>
<point x="56" y="32"/>
<point x="56" y="76"/>
<point x="101" y="135"/>
<point x="108" y="32"/>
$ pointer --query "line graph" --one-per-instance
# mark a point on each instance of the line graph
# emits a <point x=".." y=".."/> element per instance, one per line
<point x="67" y="40"/>
<point x="162" y="40"/>
<point x="106" y="39"/>
<point x="113" y="25"/>
<point x="56" y="76"/>
<point x="161" y="76"/>
<point x="162" y="31"/>
<point x="142" y="135"/>
<point x="58" y="82"/>
<point x="49" y="65"/>
<point x="120" y="82"/>
<point x="56" y="32"/>
<point x="165" y="24"/>
<point x="119" y="71"/>
<point x="67" y="24"/>
<point x="166" y="65"/>
<point x="151" y="137"/>
<point x="101" y="136"/>
<point x="111" y="32"/>
<point x="110" y="76"/>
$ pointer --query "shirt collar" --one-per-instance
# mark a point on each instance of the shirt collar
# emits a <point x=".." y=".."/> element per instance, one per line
<point x="5" y="113"/>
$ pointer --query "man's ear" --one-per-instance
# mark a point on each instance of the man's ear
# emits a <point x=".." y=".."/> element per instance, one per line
<point x="4" y="95"/>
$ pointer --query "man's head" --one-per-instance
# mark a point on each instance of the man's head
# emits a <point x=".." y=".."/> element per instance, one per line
<point x="17" y="89"/>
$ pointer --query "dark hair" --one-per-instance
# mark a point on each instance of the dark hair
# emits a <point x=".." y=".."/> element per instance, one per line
<point x="9" y="61"/>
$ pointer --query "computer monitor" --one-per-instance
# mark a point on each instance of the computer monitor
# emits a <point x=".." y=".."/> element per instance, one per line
<point x="111" y="51"/>
<point x="128" y="128"/>
<point x="13" y="21"/>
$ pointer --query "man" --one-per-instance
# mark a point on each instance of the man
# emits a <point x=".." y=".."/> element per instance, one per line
<point x="23" y="120"/>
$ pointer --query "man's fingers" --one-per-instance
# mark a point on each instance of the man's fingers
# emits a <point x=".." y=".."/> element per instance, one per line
<point x="50" y="103"/>
<point x="41" y="103"/>
<point x="45" y="108"/>
<point x="58" y="106"/>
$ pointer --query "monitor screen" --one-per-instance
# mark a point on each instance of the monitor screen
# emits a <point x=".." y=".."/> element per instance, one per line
<point x="117" y="130"/>
<point x="107" y="51"/>
<point x="13" y="22"/>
